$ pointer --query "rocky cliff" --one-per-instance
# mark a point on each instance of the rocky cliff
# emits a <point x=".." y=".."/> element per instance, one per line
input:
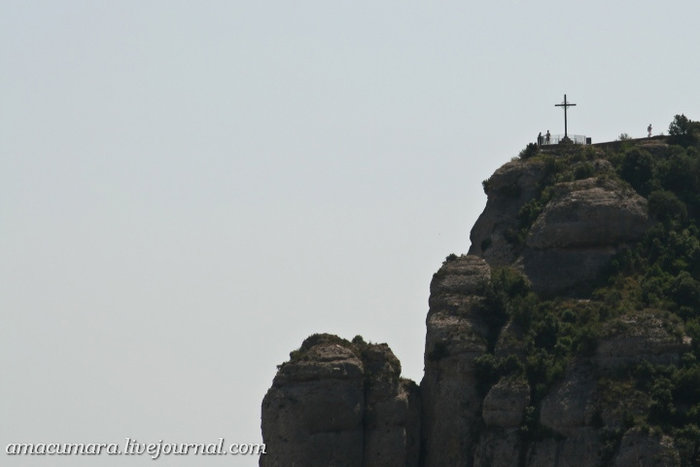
<point x="341" y="403"/>
<point x="567" y="336"/>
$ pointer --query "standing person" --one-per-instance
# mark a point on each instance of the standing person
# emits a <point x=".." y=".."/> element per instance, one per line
<point x="649" y="131"/>
<point x="546" y="137"/>
<point x="539" y="139"/>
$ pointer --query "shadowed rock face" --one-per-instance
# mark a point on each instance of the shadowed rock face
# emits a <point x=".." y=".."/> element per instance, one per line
<point x="589" y="213"/>
<point x="456" y="336"/>
<point x="509" y="188"/>
<point x="505" y="403"/>
<point x="579" y="230"/>
<point x="337" y="403"/>
<point x="315" y="408"/>
<point x="641" y="336"/>
<point x="646" y="450"/>
<point x="583" y="225"/>
<point x="503" y="409"/>
<point x="341" y="403"/>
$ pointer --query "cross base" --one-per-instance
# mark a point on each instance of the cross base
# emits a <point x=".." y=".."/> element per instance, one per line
<point x="566" y="140"/>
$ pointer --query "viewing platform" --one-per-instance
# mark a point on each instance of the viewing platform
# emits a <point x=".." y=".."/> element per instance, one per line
<point x="575" y="139"/>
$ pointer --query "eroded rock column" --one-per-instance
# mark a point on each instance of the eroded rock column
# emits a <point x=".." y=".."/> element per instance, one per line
<point x="456" y="336"/>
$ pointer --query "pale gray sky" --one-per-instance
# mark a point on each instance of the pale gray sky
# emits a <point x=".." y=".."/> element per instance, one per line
<point x="189" y="189"/>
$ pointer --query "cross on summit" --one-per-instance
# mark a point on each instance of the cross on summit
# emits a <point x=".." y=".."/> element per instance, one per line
<point x="548" y="139"/>
<point x="565" y="105"/>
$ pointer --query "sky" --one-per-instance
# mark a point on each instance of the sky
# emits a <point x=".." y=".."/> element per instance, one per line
<point x="190" y="189"/>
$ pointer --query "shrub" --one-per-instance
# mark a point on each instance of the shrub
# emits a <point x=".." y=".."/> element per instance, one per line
<point x="638" y="170"/>
<point x="583" y="170"/>
<point x="530" y="150"/>
<point x="485" y="185"/>
<point x="666" y="207"/>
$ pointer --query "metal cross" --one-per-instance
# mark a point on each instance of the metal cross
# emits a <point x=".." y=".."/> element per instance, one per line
<point x="565" y="105"/>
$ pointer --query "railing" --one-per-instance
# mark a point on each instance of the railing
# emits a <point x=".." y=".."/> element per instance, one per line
<point x="556" y="139"/>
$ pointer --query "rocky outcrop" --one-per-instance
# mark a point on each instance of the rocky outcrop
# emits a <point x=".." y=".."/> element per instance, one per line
<point x="503" y="410"/>
<point x="337" y="403"/>
<point x="508" y="189"/>
<point x="579" y="230"/>
<point x="504" y="405"/>
<point x="646" y="335"/>
<point x="570" y="404"/>
<point x="589" y="213"/>
<point x="568" y="411"/>
<point x="582" y="449"/>
<point x="512" y="378"/>
<point x="583" y="224"/>
<point x="392" y="411"/>
<point x="498" y="448"/>
<point x="646" y="450"/>
<point x="456" y="336"/>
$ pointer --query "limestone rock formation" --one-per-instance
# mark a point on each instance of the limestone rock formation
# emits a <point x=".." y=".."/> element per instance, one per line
<point x="503" y="410"/>
<point x="589" y="213"/>
<point x="456" y="336"/>
<point x="647" y="335"/>
<point x="582" y="449"/>
<point x="579" y="230"/>
<point x="504" y="405"/>
<point x="508" y="189"/>
<point x="337" y="403"/>
<point x="646" y="450"/>
<point x="525" y="365"/>
<point x="570" y="404"/>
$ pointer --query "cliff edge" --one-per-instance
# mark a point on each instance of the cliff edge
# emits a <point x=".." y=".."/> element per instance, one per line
<point x="569" y="335"/>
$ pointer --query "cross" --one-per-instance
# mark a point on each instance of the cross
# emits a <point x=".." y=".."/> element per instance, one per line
<point x="565" y="105"/>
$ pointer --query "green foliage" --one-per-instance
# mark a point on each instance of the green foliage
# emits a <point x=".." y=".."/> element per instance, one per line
<point x="489" y="369"/>
<point x="637" y="169"/>
<point x="449" y="258"/>
<point x="687" y="441"/>
<point x="667" y="208"/>
<point x="301" y="353"/>
<point x="624" y="137"/>
<point x="660" y="275"/>
<point x="683" y="131"/>
<point x="530" y="150"/>
<point x="583" y="170"/>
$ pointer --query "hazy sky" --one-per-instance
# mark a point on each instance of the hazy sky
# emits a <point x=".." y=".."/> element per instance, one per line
<point x="189" y="189"/>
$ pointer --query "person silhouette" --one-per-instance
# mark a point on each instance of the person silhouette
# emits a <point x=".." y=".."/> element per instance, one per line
<point x="649" y="131"/>
<point x="546" y="137"/>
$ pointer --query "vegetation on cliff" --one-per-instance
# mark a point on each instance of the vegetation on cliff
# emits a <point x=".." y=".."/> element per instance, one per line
<point x="570" y="333"/>
<point x="657" y="278"/>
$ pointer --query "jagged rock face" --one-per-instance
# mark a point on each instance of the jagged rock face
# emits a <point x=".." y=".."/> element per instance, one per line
<point x="313" y="412"/>
<point x="568" y="411"/>
<point x="570" y="405"/>
<point x="338" y="403"/>
<point x="582" y="449"/>
<point x="589" y="213"/>
<point x="341" y="404"/>
<point x="392" y="413"/>
<point x="504" y="405"/>
<point x="508" y="189"/>
<point x="456" y="335"/>
<point x="503" y="409"/>
<point x="646" y="450"/>
<point x="498" y="448"/>
<point x="572" y="240"/>
<point x="641" y="336"/>
<point x="579" y="230"/>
